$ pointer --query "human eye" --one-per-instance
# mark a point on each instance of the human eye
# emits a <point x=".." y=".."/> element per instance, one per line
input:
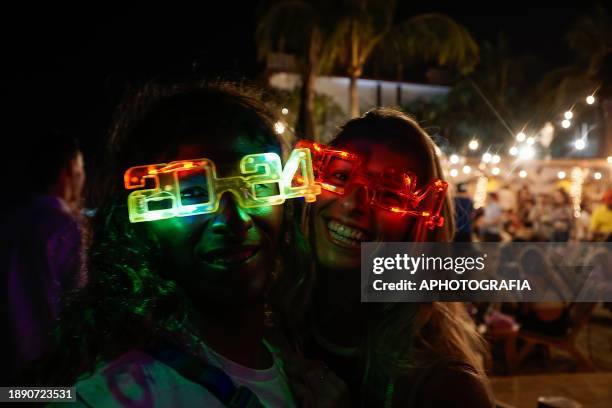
<point x="266" y="189"/>
<point x="388" y="198"/>
<point x="194" y="195"/>
<point x="339" y="172"/>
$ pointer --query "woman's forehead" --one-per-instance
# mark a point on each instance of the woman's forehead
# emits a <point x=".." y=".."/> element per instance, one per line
<point x="380" y="155"/>
<point x="225" y="147"/>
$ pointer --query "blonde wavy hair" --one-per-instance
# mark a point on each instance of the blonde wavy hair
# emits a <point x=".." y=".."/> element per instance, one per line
<point x="400" y="336"/>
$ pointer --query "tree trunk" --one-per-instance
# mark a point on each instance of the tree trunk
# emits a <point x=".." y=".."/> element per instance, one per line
<point x="353" y="97"/>
<point x="305" y="127"/>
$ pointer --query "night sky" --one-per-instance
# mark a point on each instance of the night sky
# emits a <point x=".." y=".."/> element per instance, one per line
<point x="68" y="67"/>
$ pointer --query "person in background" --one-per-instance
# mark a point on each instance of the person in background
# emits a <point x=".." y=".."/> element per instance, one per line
<point x="601" y="220"/>
<point x="464" y="211"/>
<point x="562" y="216"/>
<point x="492" y="220"/>
<point x="41" y="244"/>
<point x="507" y="198"/>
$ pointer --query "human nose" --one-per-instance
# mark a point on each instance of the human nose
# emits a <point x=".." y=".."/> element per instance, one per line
<point x="357" y="198"/>
<point x="231" y="219"/>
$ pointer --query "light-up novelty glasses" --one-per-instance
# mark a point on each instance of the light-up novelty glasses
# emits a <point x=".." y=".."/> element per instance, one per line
<point x="396" y="191"/>
<point x="191" y="187"/>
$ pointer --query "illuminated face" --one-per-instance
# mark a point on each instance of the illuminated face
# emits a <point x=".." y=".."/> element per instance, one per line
<point x="226" y="256"/>
<point x="342" y="222"/>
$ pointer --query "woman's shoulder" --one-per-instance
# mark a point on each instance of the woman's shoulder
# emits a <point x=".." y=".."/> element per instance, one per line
<point x="447" y="384"/>
<point x="137" y="378"/>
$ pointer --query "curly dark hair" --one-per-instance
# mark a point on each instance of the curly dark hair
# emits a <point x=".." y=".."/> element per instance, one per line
<point x="127" y="302"/>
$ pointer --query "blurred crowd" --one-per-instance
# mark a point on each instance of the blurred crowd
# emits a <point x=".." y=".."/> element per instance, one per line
<point x="519" y="215"/>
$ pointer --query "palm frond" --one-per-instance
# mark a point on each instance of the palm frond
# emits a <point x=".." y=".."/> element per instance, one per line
<point x="286" y="26"/>
<point x="434" y="37"/>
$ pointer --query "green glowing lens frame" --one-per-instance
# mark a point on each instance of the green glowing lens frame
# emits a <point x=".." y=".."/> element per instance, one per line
<point x="295" y="180"/>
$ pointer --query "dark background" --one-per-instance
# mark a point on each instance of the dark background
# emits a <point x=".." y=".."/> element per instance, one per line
<point x="67" y="67"/>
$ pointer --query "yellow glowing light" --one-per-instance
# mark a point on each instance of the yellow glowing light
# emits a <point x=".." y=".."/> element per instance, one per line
<point x="454" y="173"/>
<point x="566" y="124"/>
<point x="255" y="169"/>
<point x="597" y="176"/>
<point x="522" y="174"/>
<point x="513" y="151"/>
<point x="495" y="159"/>
<point x="520" y="137"/>
<point x="561" y="175"/>
<point x="467" y="169"/>
<point x="495" y="171"/>
<point x="568" y="115"/>
<point x="487" y="157"/>
<point x="579" y="144"/>
<point x="473" y="145"/>
<point x="609" y="159"/>
<point x="590" y="99"/>
<point x="530" y="141"/>
<point x="454" y="159"/>
<point x="285" y="111"/>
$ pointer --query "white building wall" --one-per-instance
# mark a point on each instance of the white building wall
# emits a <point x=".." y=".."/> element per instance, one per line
<point x="338" y="89"/>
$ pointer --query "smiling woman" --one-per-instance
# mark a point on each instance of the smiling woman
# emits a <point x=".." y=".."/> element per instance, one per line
<point x="395" y="354"/>
<point x="171" y="301"/>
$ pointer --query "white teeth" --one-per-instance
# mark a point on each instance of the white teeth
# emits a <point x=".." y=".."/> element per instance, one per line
<point x="345" y="233"/>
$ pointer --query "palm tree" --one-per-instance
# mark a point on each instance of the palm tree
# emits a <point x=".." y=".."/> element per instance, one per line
<point x="365" y="28"/>
<point x="298" y="27"/>
<point x="345" y="34"/>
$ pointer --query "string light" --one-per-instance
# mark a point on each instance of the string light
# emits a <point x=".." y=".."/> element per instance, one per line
<point x="454" y="159"/>
<point x="576" y="189"/>
<point x="467" y="169"/>
<point x="473" y="145"/>
<point x="495" y="171"/>
<point x="526" y="153"/>
<point x="487" y="157"/>
<point x="590" y="99"/>
<point x="495" y="159"/>
<point x="568" y="115"/>
<point x="579" y="144"/>
<point x="530" y="141"/>
<point x="609" y="159"/>
<point x="454" y="172"/>
<point x="513" y="151"/>
<point x="522" y="174"/>
<point x="561" y="175"/>
<point x="597" y="176"/>
<point x="566" y="123"/>
<point x="285" y="111"/>
<point x="520" y="137"/>
<point x="279" y="128"/>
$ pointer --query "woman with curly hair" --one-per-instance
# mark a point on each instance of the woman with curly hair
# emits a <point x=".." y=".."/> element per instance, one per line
<point x="389" y="354"/>
<point x="173" y="313"/>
